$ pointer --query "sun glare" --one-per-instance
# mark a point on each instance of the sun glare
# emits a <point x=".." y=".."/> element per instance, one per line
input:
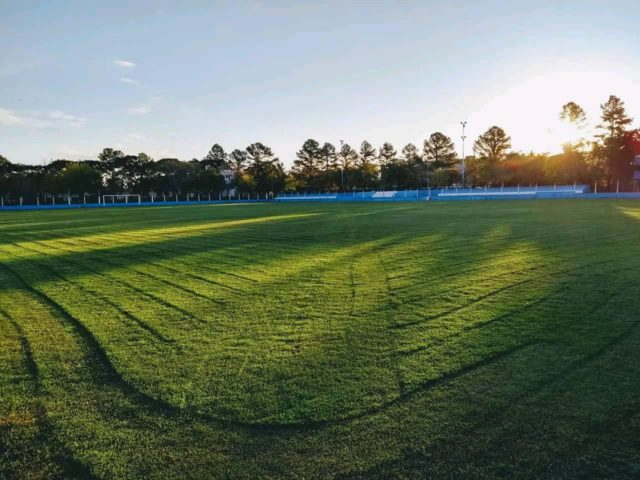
<point x="531" y="109"/>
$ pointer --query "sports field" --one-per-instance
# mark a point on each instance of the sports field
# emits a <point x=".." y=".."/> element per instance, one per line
<point x="479" y="339"/>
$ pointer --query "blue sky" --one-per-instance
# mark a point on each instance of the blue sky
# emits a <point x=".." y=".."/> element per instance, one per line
<point x="172" y="78"/>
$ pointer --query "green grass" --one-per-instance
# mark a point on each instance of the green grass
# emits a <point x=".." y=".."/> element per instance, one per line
<point x="477" y="340"/>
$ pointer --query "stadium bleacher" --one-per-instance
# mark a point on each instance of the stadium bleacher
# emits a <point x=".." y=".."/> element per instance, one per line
<point x="434" y="194"/>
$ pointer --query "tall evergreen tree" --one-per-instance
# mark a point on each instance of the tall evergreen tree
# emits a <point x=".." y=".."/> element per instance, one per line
<point x="331" y="176"/>
<point x="258" y="153"/>
<point x="108" y="154"/>
<point x="265" y="169"/>
<point x="573" y="113"/>
<point x="367" y="155"/>
<point x="329" y="157"/>
<point x="410" y="154"/>
<point x="614" y="119"/>
<point x="491" y="147"/>
<point x="417" y="173"/>
<point x="493" y="144"/>
<point x="387" y="154"/>
<point x="611" y="153"/>
<point x="347" y="157"/>
<point x="238" y="160"/>
<point x="134" y="171"/>
<point x="308" y="160"/>
<point x="216" y="159"/>
<point x="367" y="165"/>
<point x="110" y="164"/>
<point x="439" y="151"/>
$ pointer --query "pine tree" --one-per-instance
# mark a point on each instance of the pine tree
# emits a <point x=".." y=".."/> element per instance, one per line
<point x="329" y="157"/>
<point x="439" y="151"/>
<point x="493" y="144"/>
<point x="367" y="154"/>
<point x="216" y="159"/>
<point x="614" y="119"/>
<point x="308" y="164"/>
<point x="266" y="169"/>
<point x="410" y="154"/>
<point x="347" y="157"/>
<point x="109" y="165"/>
<point x="308" y="159"/>
<point x="366" y="165"/>
<point x="387" y="154"/>
<point x="238" y="161"/>
<point x="573" y="113"/>
<point x="258" y="154"/>
<point x="611" y="155"/>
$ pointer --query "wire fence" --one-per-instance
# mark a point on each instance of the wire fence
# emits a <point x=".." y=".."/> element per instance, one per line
<point x="47" y="202"/>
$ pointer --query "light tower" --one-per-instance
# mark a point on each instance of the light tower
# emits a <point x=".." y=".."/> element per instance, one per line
<point x="463" y="137"/>
<point x="341" y="168"/>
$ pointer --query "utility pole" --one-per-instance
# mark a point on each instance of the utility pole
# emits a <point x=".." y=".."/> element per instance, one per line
<point x="463" y="137"/>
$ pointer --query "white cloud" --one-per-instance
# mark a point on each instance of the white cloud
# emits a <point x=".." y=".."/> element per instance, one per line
<point x="138" y="110"/>
<point x="71" y="152"/>
<point x="143" y="108"/>
<point x="57" y="118"/>
<point x="124" y="63"/>
<point x="136" y="137"/>
<point x="36" y="119"/>
<point x="188" y="109"/>
<point x="10" y="118"/>
<point x="129" y="80"/>
<point x="58" y="115"/>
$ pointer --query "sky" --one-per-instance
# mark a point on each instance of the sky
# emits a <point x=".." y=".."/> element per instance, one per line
<point x="173" y="78"/>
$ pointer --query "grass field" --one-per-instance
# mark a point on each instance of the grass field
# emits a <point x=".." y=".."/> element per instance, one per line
<point x="480" y="339"/>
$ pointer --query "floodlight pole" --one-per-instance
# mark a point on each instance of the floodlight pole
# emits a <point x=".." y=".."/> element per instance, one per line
<point x="341" y="168"/>
<point x="464" y="137"/>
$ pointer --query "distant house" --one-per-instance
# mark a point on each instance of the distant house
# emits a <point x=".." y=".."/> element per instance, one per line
<point x="229" y="177"/>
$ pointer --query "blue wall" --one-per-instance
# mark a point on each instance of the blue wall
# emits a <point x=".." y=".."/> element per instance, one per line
<point x="451" y="194"/>
<point x="63" y="206"/>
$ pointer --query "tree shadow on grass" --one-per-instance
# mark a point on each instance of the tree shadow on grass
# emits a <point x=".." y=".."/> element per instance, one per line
<point x="72" y="266"/>
<point x="443" y="404"/>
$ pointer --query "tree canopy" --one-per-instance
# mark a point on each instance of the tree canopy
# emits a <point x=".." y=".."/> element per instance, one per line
<point x="320" y="166"/>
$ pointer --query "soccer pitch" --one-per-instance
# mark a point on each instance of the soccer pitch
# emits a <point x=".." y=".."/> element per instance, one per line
<point x="475" y="339"/>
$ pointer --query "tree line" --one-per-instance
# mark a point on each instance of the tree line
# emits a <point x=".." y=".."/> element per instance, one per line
<point x="605" y="159"/>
